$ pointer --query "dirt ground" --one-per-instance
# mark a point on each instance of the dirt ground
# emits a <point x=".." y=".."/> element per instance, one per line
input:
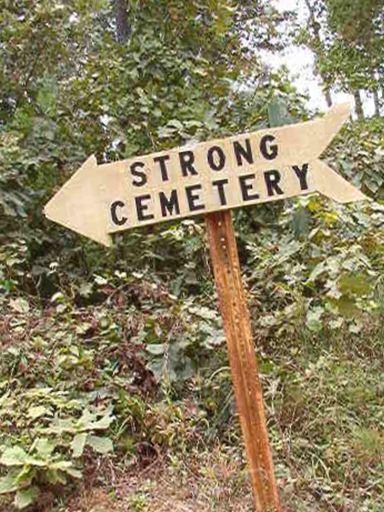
<point x="220" y="484"/>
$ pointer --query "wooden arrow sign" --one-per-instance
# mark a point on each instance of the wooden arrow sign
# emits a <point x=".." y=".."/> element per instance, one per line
<point x="241" y="170"/>
<point x="213" y="176"/>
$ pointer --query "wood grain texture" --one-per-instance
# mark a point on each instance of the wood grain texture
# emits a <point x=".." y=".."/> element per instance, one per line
<point x="237" y="326"/>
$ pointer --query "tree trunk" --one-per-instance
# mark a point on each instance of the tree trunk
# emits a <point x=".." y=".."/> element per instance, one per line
<point x="376" y="101"/>
<point x="315" y="26"/>
<point x="358" y="104"/>
<point x="123" y="30"/>
<point x="328" y="96"/>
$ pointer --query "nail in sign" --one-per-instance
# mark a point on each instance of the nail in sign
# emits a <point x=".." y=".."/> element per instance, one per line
<point x="240" y="170"/>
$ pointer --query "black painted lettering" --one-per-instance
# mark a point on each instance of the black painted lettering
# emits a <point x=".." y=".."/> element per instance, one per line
<point x="186" y="162"/>
<point x="219" y="184"/>
<point x="246" y="187"/>
<point x="169" y="205"/>
<point x="216" y="158"/>
<point x="119" y="221"/>
<point x="141" y="207"/>
<point x="272" y="179"/>
<point x="302" y="175"/>
<point x="243" y="153"/>
<point x="193" y="198"/>
<point x="142" y="177"/>
<point x="163" y="166"/>
<point x="268" y="150"/>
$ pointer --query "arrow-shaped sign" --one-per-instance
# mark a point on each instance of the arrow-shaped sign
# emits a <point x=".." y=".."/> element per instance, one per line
<point x="241" y="170"/>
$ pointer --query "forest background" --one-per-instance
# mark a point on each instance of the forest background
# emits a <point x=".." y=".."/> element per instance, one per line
<point x="115" y="391"/>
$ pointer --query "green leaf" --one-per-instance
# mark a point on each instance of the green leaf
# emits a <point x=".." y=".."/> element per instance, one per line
<point x="158" y="368"/>
<point x="25" y="497"/>
<point x="78" y="444"/>
<point x="19" y="305"/>
<point x="100" y="444"/>
<point x="54" y="476"/>
<point x="317" y="271"/>
<point x="356" y="284"/>
<point x="75" y="473"/>
<point x="176" y="123"/>
<point x="25" y="476"/>
<point x="61" y="465"/>
<point x="59" y="427"/>
<point x="9" y="483"/>
<point x="101" y="424"/>
<point x="346" y="306"/>
<point x="47" y="95"/>
<point x="156" y="349"/>
<point x="37" y="412"/>
<point x="278" y="113"/>
<point x="314" y="322"/>
<point x="15" y="456"/>
<point x="44" y="447"/>
<point x="300" y="222"/>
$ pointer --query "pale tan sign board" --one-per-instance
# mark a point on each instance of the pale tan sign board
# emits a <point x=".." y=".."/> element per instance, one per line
<point x="241" y="170"/>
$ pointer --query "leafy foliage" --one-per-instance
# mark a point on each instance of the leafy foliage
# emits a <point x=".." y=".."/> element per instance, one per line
<point x="347" y="40"/>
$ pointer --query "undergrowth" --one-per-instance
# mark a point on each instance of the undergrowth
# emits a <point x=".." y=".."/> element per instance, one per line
<point x="79" y="383"/>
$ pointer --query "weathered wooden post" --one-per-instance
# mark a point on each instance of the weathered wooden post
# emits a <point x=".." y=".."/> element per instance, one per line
<point x="245" y="376"/>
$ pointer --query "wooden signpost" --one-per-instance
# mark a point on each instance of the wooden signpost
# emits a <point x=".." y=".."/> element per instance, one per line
<point x="211" y="178"/>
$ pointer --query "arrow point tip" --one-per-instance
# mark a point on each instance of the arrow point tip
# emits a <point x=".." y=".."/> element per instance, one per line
<point x="48" y="207"/>
<point x="90" y="163"/>
<point x="92" y="159"/>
